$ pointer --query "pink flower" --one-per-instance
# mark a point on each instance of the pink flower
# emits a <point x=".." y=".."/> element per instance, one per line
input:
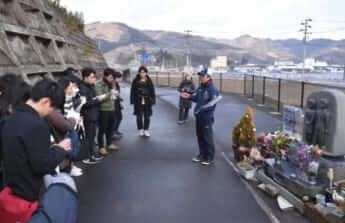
<point x="268" y="139"/>
<point x="319" y="151"/>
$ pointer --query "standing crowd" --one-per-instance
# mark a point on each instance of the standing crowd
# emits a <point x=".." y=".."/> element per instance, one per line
<point x="47" y="128"/>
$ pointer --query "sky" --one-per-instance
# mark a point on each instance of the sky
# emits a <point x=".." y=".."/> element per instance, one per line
<point x="276" y="19"/>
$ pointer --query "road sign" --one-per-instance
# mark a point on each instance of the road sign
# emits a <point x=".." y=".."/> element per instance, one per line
<point x="145" y="57"/>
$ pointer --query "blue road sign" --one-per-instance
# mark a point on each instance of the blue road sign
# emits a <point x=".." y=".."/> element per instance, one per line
<point x="145" y="57"/>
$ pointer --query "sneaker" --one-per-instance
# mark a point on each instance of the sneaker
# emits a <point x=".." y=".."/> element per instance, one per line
<point x="141" y="132"/>
<point x="146" y="133"/>
<point x="206" y="162"/>
<point x="103" y="151"/>
<point x="180" y="122"/>
<point x="90" y="161"/>
<point x="97" y="157"/>
<point x="113" y="147"/>
<point x="197" y="159"/>
<point x="76" y="171"/>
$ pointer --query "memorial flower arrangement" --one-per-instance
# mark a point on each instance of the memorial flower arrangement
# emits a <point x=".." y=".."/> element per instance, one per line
<point x="274" y="145"/>
<point x="306" y="154"/>
<point x="281" y="145"/>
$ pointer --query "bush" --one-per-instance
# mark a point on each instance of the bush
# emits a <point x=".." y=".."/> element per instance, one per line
<point x="73" y="20"/>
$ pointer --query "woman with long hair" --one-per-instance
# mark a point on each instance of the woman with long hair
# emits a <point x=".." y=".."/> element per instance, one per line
<point x="143" y="97"/>
<point x="13" y="91"/>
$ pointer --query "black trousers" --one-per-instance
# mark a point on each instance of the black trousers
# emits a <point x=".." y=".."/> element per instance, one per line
<point x="183" y="113"/>
<point x="143" y="120"/>
<point x="105" y="127"/>
<point x="204" y="134"/>
<point x="90" y="134"/>
<point x="118" y="119"/>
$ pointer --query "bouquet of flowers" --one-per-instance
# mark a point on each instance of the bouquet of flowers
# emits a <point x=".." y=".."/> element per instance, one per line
<point x="307" y="157"/>
<point x="281" y="145"/>
<point x="275" y="145"/>
<point x="265" y="145"/>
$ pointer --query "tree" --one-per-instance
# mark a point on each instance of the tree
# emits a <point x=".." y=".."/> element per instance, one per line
<point x="243" y="135"/>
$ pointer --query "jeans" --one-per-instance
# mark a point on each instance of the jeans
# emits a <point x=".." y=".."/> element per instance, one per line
<point x="75" y="143"/>
<point x="105" y="127"/>
<point x="204" y="134"/>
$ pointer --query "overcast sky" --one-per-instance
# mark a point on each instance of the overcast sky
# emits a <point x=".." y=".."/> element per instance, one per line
<point x="278" y="19"/>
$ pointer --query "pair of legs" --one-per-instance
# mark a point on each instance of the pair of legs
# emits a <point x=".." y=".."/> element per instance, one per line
<point x="143" y="114"/>
<point x="118" y="120"/>
<point x="204" y="134"/>
<point x="105" y="127"/>
<point x="90" y="134"/>
<point x="183" y="113"/>
<point x="143" y="120"/>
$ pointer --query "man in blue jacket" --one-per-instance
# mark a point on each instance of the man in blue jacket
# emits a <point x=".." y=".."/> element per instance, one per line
<point x="206" y="97"/>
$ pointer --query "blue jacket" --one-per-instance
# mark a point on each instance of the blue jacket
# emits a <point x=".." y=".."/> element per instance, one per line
<point x="206" y="98"/>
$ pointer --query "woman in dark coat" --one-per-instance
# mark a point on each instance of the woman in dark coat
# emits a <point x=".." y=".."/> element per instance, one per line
<point x="143" y="97"/>
<point x="186" y="86"/>
<point x="13" y="91"/>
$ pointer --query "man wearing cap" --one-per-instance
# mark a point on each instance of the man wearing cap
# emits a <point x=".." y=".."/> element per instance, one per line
<point x="206" y="97"/>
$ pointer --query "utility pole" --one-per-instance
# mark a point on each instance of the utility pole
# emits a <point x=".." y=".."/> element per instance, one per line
<point x="163" y="61"/>
<point x="99" y="45"/>
<point x="188" y="56"/>
<point x="306" y="33"/>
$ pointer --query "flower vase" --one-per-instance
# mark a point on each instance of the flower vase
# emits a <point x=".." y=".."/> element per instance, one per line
<point x="313" y="170"/>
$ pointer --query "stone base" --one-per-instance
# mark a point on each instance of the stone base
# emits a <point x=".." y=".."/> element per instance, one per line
<point x="294" y="179"/>
<point x="294" y="200"/>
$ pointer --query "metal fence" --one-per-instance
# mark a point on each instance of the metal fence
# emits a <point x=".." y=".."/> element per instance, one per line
<point x="269" y="91"/>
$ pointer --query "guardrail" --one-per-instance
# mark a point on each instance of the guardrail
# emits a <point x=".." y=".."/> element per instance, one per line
<point x="266" y="91"/>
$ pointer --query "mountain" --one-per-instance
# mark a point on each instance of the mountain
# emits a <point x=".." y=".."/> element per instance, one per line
<point x="120" y="43"/>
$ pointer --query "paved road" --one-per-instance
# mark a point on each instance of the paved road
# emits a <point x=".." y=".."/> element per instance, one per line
<point x="154" y="180"/>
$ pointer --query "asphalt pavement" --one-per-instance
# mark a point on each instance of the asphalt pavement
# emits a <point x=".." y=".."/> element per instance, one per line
<point x="154" y="180"/>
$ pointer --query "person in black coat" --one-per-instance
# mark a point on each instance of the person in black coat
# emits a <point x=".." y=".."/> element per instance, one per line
<point x="143" y="97"/>
<point x="186" y="86"/>
<point x="13" y="91"/>
<point x="27" y="151"/>
<point x="89" y="112"/>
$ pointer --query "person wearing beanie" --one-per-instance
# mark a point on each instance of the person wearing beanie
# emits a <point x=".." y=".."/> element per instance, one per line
<point x="206" y="97"/>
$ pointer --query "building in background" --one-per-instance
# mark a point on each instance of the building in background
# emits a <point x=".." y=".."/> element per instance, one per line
<point x="219" y="64"/>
